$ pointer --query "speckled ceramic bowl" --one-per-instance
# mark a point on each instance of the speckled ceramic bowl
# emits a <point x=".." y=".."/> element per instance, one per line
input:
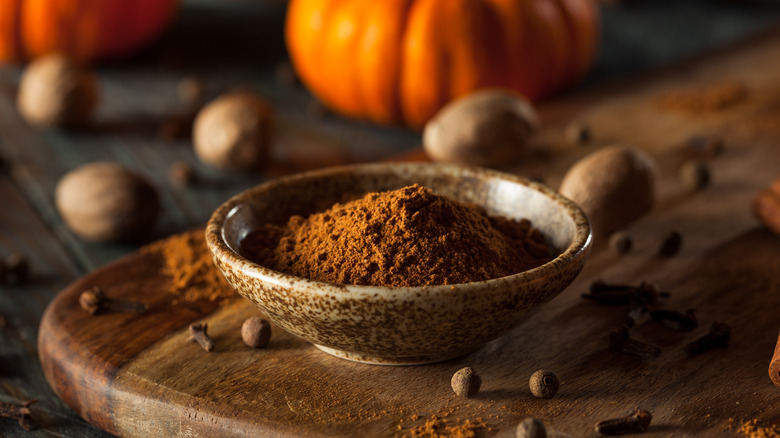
<point x="399" y="325"/>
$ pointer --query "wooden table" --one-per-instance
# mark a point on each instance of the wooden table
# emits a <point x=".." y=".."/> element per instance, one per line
<point x="138" y="94"/>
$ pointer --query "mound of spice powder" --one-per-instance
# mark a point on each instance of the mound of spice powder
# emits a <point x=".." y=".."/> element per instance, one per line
<point x="405" y="237"/>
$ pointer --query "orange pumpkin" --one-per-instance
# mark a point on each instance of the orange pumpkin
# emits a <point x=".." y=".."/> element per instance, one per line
<point x="399" y="61"/>
<point x="85" y="29"/>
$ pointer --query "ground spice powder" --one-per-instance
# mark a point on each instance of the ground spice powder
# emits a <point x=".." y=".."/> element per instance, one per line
<point x="405" y="237"/>
<point x="713" y="98"/>
<point x="751" y="429"/>
<point x="188" y="263"/>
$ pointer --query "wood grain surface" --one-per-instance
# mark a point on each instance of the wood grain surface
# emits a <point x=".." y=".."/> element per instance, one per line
<point x="137" y="375"/>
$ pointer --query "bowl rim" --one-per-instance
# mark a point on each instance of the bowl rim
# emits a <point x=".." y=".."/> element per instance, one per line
<point x="579" y="247"/>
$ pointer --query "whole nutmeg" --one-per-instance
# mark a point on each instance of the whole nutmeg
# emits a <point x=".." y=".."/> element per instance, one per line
<point x="466" y="382"/>
<point x="256" y="332"/>
<point x="56" y="91"/>
<point x="105" y="202"/>
<point x="234" y="132"/>
<point x="544" y="383"/>
<point x="614" y="186"/>
<point x="486" y="128"/>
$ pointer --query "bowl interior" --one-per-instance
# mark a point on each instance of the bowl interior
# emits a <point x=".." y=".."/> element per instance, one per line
<point x="498" y="194"/>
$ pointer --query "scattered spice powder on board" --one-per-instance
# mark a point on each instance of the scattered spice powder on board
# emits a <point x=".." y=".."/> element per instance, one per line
<point x="406" y="237"/>
<point x="751" y="429"/>
<point x="705" y="100"/>
<point x="193" y="275"/>
<point x="438" y="427"/>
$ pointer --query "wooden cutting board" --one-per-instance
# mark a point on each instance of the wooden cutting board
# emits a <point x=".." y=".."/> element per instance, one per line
<point x="136" y="375"/>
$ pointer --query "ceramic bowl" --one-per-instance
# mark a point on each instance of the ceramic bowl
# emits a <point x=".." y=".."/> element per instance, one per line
<point x="399" y="325"/>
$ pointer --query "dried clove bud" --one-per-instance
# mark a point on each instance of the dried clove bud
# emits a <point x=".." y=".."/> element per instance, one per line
<point x="20" y="413"/>
<point x="718" y="337"/>
<point x="284" y="75"/>
<point x="695" y="174"/>
<point x="671" y="244"/>
<point x="181" y="174"/>
<point x="544" y="384"/>
<point x="177" y="127"/>
<point x="621" y="340"/>
<point x="256" y="332"/>
<point x="199" y="334"/>
<point x="316" y="109"/>
<point x="636" y="308"/>
<point x="620" y="242"/>
<point x="684" y="321"/>
<point x="531" y="428"/>
<point x="95" y="301"/>
<point x="708" y="145"/>
<point x="637" y="422"/>
<point x="578" y="133"/>
<point x="16" y="268"/>
<point x="466" y="382"/>
<point x="616" y="294"/>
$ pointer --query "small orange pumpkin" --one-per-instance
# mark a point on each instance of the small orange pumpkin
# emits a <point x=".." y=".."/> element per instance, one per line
<point x="85" y="29"/>
<point x="399" y="61"/>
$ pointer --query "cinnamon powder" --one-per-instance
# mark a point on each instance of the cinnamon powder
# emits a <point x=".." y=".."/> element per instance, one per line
<point x="714" y="98"/>
<point x="188" y="263"/>
<point x="405" y="237"/>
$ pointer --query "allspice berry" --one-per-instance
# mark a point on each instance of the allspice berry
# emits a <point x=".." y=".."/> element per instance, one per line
<point x="531" y="428"/>
<point x="256" y="332"/>
<point x="671" y="244"/>
<point x="106" y="202"/>
<point x="191" y="90"/>
<point x="234" y="132"/>
<point x="544" y="384"/>
<point x="56" y="91"/>
<point x="614" y="186"/>
<point x="485" y="128"/>
<point x="620" y="242"/>
<point x="466" y="382"/>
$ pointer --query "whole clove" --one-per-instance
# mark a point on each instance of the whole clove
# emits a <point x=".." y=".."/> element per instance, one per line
<point x="95" y="301"/>
<point x="695" y="174"/>
<point x="15" y="268"/>
<point x="718" y="337"/>
<point x="578" y="133"/>
<point x="620" y="294"/>
<point x="684" y="321"/>
<point x="181" y="174"/>
<point x="176" y="127"/>
<point x="20" y="413"/>
<point x="199" y="334"/>
<point x="284" y="75"/>
<point x="637" y="307"/>
<point x="707" y="145"/>
<point x="620" y="339"/>
<point x="637" y="422"/>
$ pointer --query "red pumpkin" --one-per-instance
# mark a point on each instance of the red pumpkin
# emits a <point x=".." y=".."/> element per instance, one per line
<point x="85" y="29"/>
<point x="399" y="61"/>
